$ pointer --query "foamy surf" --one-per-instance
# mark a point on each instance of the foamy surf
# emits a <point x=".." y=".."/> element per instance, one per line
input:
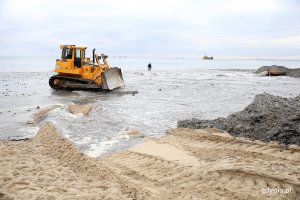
<point x="99" y="148"/>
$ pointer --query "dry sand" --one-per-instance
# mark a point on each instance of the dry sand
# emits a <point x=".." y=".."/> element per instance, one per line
<point x="184" y="164"/>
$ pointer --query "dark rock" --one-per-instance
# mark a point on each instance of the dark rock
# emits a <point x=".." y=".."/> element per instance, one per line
<point x="279" y="70"/>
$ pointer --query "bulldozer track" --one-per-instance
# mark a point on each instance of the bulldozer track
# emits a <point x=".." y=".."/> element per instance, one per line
<point x="228" y="168"/>
<point x="65" y="79"/>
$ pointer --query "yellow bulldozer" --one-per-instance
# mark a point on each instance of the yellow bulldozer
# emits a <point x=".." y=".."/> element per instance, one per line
<point x="76" y="72"/>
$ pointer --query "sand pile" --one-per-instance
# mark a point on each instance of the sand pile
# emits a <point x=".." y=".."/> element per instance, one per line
<point x="76" y="109"/>
<point x="67" y="153"/>
<point x="267" y="118"/>
<point x="50" y="167"/>
<point x="279" y="70"/>
<point x="63" y="150"/>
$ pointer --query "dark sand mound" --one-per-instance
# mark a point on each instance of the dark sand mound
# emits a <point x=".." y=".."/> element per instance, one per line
<point x="280" y="70"/>
<point x="267" y="118"/>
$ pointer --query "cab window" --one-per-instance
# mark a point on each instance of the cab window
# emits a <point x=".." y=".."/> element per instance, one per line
<point x="78" y="54"/>
<point x="69" y="53"/>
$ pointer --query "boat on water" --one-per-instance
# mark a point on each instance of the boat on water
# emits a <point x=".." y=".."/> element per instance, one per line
<point x="207" y="57"/>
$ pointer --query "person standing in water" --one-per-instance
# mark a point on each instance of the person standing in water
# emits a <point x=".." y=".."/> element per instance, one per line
<point x="149" y="67"/>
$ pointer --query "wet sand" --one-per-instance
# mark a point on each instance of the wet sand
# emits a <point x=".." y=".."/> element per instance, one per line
<point x="184" y="164"/>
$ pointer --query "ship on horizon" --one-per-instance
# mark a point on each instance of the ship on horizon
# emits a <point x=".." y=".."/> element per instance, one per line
<point x="205" y="57"/>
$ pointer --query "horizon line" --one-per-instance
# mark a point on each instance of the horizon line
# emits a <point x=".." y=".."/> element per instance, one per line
<point x="175" y="57"/>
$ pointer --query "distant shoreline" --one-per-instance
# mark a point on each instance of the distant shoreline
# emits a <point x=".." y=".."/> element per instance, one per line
<point x="156" y="57"/>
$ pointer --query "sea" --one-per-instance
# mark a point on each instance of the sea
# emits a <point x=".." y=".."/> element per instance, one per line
<point x="47" y="63"/>
<point x="151" y="101"/>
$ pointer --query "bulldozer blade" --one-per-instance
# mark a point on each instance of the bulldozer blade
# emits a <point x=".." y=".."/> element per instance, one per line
<point x="112" y="78"/>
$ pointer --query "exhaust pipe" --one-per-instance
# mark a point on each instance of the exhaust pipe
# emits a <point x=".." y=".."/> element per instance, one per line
<point x="94" y="56"/>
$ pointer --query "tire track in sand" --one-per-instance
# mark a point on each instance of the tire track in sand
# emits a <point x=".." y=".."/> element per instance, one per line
<point x="209" y="164"/>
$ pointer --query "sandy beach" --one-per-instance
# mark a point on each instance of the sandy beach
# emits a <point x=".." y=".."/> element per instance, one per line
<point x="184" y="164"/>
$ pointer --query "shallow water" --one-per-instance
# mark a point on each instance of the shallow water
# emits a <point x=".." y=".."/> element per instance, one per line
<point x="163" y="98"/>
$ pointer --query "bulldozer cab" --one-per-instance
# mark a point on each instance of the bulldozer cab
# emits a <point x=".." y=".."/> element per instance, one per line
<point x="70" y="53"/>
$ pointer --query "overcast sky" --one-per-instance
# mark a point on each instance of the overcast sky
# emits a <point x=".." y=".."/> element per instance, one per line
<point x="164" y="28"/>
